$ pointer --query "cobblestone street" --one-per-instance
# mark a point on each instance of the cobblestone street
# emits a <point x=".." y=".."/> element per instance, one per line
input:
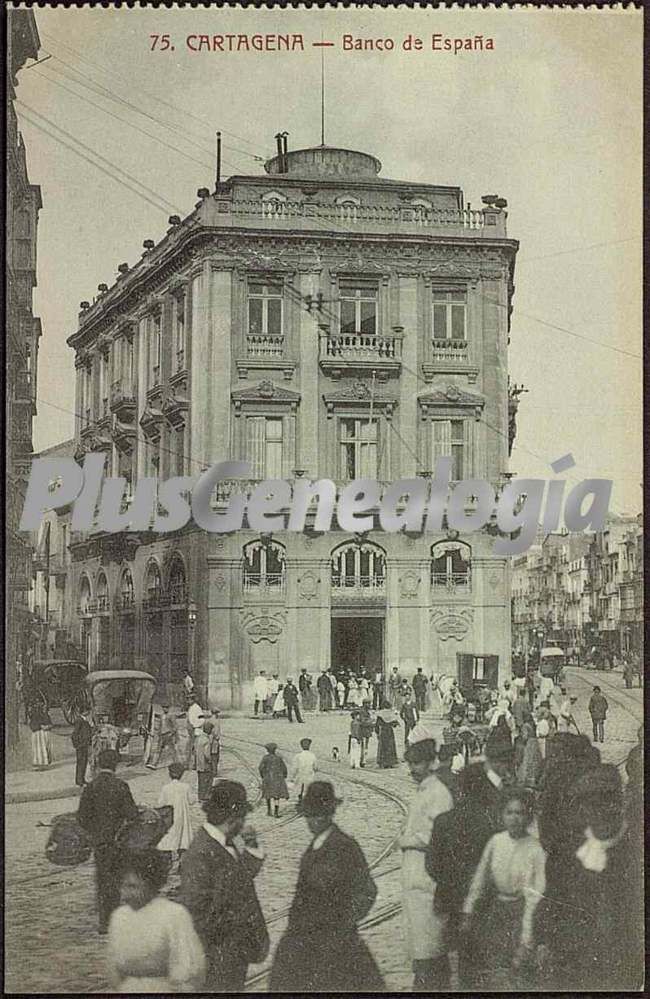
<point x="52" y="943"/>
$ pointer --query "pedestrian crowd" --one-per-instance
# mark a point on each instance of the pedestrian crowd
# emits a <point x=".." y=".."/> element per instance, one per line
<point x="529" y="885"/>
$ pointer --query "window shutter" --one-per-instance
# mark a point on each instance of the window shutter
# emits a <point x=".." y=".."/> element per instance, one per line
<point x="440" y="441"/>
<point x="255" y="444"/>
<point x="468" y="456"/>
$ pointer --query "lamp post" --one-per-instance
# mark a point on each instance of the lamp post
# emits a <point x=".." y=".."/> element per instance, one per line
<point x="191" y="628"/>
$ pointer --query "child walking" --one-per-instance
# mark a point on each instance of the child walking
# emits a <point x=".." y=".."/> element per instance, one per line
<point x="273" y="771"/>
<point x="178" y="795"/>
<point x="355" y="740"/>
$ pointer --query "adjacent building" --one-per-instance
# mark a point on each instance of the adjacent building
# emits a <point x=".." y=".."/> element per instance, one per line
<point x="319" y="321"/>
<point x="23" y="331"/>
<point x="581" y="591"/>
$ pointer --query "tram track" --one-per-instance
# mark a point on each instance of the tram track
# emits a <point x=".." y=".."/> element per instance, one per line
<point x="621" y="697"/>
<point x="380" y="914"/>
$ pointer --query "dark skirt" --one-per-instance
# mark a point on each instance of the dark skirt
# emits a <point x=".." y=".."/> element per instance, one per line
<point x="493" y="946"/>
<point x="317" y="962"/>
<point x="386" y="749"/>
<point x="205" y="784"/>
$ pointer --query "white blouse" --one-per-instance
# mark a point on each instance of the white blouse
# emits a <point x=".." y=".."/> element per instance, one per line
<point x="515" y="868"/>
<point x="154" y="949"/>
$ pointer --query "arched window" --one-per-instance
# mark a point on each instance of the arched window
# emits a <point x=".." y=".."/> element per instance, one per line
<point x="85" y="595"/>
<point x="451" y="564"/>
<point x="359" y="566"/>
<point x="263" y="565"/>
<point x="127" y="591"/>
<point x="102" y="593"/>
<point x="177" y="583"/>
<point x="153" y="585"/>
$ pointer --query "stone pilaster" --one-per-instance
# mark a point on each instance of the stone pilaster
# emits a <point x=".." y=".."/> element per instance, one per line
<point x="408" y="388"/>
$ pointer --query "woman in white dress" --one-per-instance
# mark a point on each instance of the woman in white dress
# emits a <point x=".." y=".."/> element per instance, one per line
<point x="178" y="795"/>
<point x="152" y="943"/>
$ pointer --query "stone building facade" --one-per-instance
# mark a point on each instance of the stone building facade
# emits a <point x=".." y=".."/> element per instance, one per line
<point x="581" y="592"/>
<point x="23" y="331"/>
<point x="318" y="321"/>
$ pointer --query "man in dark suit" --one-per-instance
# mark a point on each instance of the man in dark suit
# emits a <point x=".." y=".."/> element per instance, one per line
<point x="410" y="716"/>
<point x="81" y="737"/>
<point x="217" y="888"/>
<point x="105" y="804"/>
<point x="292" y="700"/>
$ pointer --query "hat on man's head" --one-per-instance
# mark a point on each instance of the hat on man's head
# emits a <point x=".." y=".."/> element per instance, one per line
<point x="319" y="799"/>
<point x="305" y="743"/>
<point x="227" y="801"/>
<point x="271" y="746"/>
<point x="421" y="751"/>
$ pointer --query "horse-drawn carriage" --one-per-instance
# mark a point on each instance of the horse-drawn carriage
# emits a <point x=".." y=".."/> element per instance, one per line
<point x="60" y="683"/>
<point x="120" y="701"/>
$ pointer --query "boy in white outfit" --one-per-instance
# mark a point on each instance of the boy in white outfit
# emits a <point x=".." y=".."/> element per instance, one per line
<point x="304" y="768"/>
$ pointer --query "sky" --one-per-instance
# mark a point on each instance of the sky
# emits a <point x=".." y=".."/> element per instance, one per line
<point x="550" y="118"/>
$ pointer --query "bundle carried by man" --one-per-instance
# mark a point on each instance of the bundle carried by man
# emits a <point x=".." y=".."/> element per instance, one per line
<point x="69" y="845"/>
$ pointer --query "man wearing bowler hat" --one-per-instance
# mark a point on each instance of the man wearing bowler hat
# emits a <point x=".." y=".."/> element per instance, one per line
<point x="321" y="950"/>
<point x="217" y="873"/>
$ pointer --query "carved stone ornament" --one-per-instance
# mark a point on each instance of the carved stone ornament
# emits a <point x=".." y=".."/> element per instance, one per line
<point x="266" y="389"/>
<point x="219" y="582"/>
<point x="308" y="585"/>
<point x="451" y="623"/>
<point x="494" y="579"/>
<point x="260" y="625"/>
<point x="409" y="584"/>
<point x="360" y="390"/>
<point x="452" y="392"/>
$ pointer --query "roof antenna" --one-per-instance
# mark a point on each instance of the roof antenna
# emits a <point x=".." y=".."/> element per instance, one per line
<point x="322" y="92"/>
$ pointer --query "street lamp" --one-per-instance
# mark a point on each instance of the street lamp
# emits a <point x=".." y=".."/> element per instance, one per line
<point x="191" y="626"/>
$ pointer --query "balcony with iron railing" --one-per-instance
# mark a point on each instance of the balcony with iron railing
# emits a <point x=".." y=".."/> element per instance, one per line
<point x="358" y="588"/>
<point x="126" y="602"/>
<point x="263" y="586"/>
<point x="340" y="353"/>
<point x="451" y="581"/>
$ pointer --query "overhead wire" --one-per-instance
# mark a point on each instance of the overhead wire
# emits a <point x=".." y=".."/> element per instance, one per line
<point x="137" y="128"/>
<point x="155" y="97"/>
<point x="109" y="173"/>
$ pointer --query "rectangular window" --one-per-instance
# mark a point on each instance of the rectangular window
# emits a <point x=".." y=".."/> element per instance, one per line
<point x="154" y="350"/>
<point x="179" y="332"/>
<point x="179" y="455"/>
<point x="358" y="308"/>
<point x="450" y="439"/>
<point x="103" y="384"/>
<point x="449" y="310"/>
<point x="265" y="308"/>
<point x="358" y="448"/>
<point x="127" y="367"/>
<point x="87" y="389"/>
<point x="265" y="446"/>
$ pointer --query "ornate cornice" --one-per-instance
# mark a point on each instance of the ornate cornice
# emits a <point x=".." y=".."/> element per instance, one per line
<point x="265" y="392"/>
<point x="367" y="253"/>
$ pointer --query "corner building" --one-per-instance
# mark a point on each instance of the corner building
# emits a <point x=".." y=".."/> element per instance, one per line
<point x="319" y="321"/>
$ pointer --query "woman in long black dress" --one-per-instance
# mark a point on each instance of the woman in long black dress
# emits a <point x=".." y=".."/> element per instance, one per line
<point x="321" y="950"/>
<point x="387" y="722"/>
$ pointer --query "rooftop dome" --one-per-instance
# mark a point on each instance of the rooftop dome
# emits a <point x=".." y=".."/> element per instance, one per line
<point x="326" y="161"/>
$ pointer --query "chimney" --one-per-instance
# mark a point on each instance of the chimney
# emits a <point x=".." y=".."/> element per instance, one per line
<point x="218" y="183"/>
<point x="278" y="139"/>
<point x="284" y="153"/>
